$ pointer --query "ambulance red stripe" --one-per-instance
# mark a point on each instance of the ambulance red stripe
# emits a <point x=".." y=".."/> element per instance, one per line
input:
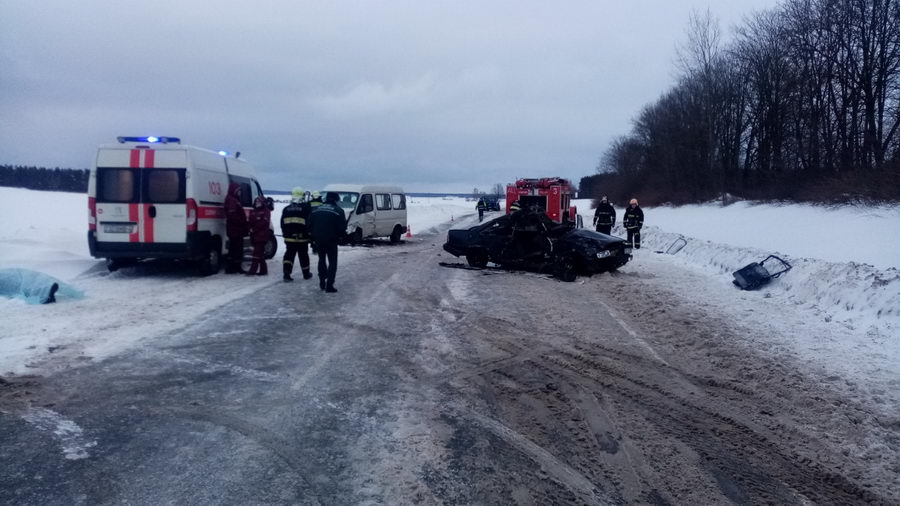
<point x="210" y="212"/>
<point x="135" y="160"/>
<point x="149" y="161"/>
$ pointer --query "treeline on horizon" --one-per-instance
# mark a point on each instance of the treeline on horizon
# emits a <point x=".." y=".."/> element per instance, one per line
<point x="42" y="178"/>
<point x="803" y="104"/>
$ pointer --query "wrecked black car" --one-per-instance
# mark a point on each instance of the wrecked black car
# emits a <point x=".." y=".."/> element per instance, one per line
<point x="529" y="240"/>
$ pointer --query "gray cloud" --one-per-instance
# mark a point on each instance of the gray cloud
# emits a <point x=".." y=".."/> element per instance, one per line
<point x="432" y="95"/>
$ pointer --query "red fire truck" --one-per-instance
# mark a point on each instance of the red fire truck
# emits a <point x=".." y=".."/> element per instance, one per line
<point x="552" y="194"/>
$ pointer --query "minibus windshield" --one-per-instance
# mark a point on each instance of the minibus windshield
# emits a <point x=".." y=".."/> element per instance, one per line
<point x="347" y="200"/>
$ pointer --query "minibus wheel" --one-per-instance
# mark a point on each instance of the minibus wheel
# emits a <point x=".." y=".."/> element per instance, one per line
<point x="356" y="236"/>
<point x="396" y="234"/>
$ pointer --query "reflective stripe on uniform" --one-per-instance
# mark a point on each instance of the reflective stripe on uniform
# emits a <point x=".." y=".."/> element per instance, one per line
<point x="296" y="220"/>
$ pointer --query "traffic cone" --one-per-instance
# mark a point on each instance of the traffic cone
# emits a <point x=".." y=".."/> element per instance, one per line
<point x="408" y="231"/>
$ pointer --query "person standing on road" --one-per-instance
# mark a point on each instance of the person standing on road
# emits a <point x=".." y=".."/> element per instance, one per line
<point x="259" y="235"/>
<point x="604" y="216"/>
<point x="315" y="201"/>
<point x="327" y="224"/>
<point x="515" y="206"/>
<point x="480" y="206"/>
<point x="633" y="221"/>
<point x="296" y="235"/>
<point x="235" y="228"/>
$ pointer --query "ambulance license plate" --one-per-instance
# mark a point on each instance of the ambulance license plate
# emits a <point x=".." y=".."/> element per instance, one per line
<point x="117" y="228"/>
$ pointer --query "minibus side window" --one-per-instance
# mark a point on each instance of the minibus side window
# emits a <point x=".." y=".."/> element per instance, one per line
<point x="399" y="201"/>
<point x="117" y="185"/>
<point x="365" y="204"/>
<point x="383" y="201"/>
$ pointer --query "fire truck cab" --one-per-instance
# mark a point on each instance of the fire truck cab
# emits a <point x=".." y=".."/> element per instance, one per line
<point x="551" y="194"/>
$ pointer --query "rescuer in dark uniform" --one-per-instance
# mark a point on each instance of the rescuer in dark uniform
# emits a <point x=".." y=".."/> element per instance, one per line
<point x="327" y="225"/>
<point x="480" y="206"/>
<point x="633" y="220"/>
<point x="236" y="228"/>
<point x="315" y="200"/>
<point x="259" y="235"/>
<point x="604" y="216"/>
<point x="296" y="234"/>
<point x="515" y="206"/>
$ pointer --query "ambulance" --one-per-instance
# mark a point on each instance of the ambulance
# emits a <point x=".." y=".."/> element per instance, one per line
<point x="153" y="197"/>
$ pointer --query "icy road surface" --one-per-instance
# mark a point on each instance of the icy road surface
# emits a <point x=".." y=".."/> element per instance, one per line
<point x="423" y="384"/>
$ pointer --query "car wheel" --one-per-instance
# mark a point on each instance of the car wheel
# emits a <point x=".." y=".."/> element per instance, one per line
<point x="396" y="234"/>
<point x="477" y="258"/>
<point x="271" y="246"/>
<point x="565" y="268"/>
<point x="212" y="261"/>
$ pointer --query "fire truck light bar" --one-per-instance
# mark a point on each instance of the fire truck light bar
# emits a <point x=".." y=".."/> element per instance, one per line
<point x="164" y="140"/>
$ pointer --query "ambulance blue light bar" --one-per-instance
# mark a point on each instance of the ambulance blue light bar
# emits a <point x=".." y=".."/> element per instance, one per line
<point x="151" y="139"/>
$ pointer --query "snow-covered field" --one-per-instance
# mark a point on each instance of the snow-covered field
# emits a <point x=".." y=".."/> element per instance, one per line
<point x="47" y="232"/>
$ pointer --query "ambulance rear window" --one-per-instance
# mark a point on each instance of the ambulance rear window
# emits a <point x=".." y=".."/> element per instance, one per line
<point x="163" y="186"/>
<point x="117" y="185"/>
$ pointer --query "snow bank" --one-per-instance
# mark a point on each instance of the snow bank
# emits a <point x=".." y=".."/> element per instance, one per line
<point x="843" y="258"/>
<point x="860" y="295"/>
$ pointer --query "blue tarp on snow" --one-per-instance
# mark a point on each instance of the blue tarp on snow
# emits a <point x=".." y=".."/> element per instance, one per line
<point x="33" y="287"/>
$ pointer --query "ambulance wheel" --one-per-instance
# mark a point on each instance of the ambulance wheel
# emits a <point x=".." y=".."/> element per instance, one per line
<point x="114" y="264"/>
<point x="356" y="237"/>
<point x="564" y="268"/>
<point x="212" y="262"/>
<point x="396" y="234"/>
<point x="477" y="258"/>
<point x="271" y="246"/>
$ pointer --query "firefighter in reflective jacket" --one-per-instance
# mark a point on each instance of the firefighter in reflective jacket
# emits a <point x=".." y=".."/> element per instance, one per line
<point x="515" y="206"/>
<point x="633" y="221"/>
<point x="480" y="206"/>
<point x="604" y="216"/>
<point x="296" y="234"/>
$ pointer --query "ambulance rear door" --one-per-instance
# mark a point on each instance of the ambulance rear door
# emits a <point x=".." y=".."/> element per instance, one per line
<point x="163" y="187"/>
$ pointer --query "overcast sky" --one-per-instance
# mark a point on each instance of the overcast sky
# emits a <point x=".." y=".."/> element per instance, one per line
<point x="433" y="95"/>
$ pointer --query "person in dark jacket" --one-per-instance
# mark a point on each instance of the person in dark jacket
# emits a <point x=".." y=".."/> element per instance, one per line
<point x="296" y="234"/>
<point x="259" y="235"/>
<point x="235" y="228"/>
<point x="480" y="206"/>
<point x="327" y="225"/>
<point x="604" y="216"/>
<point x="633" y="220"/>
